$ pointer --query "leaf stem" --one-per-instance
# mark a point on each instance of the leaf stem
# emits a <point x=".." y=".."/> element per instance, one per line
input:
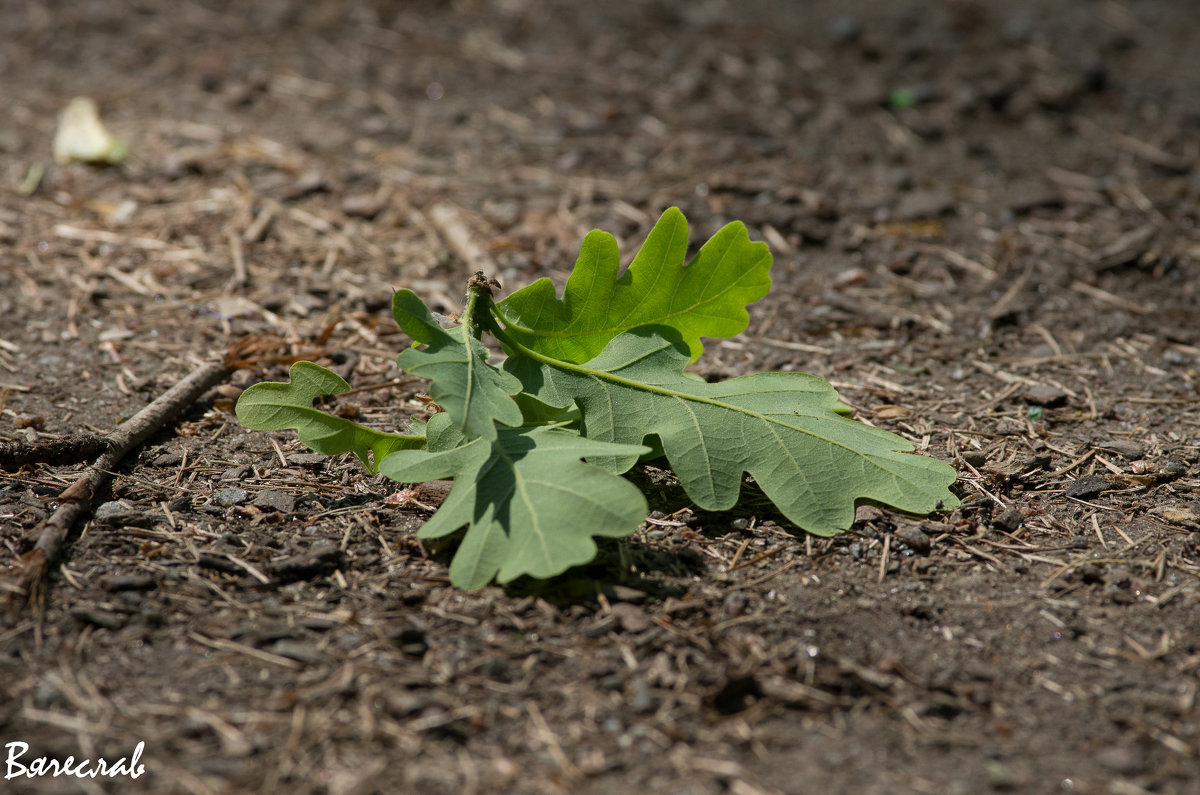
<point x="470" y="318"/>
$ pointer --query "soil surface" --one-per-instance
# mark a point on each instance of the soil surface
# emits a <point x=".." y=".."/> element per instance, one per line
<point x="984" y="222"/>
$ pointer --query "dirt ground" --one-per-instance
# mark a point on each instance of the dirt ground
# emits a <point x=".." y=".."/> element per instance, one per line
<point x="984" y="222"/>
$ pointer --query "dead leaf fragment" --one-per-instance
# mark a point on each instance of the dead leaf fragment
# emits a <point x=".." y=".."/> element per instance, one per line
<point x="1177" y="515"/>
<point x="82" y="137"/>
<point x="889" y="412"/>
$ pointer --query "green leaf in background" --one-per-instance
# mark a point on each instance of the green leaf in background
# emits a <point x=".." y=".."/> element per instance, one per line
<point x="530" y="505"/>
<point x="785" y="429"/>
<point x="706" y="297"/>
<point x="475" y="394"/>
<point x="273" y="406"/>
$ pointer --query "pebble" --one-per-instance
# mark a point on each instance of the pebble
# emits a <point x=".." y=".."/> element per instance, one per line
<point x="915" y="539"/>
<point x="631" y="618"/>
<point x="1044" y="395"/>
<point x="1173" y="469"/>
<point x="1010" y="521"/>
<point x="404" y="703"/>
<point x="865" y="514"/>
<point x="168" y="460"/>
<point x="922" y="205"/>
<point x="1126" y="448"/>
<point x="1088" y="487"/>
<point x="975" y="458"/>
<point x="236" y="473"/>
<point x="623" y="593"/>
<point x="113" y="512"/>
<point x="364" y="205"/>
<point x="130" y="598"/>
<point x="735" y="604"/>
<point x="307" y="459"/>
<point x="1124" y="760"/>
<point x="231" y="495"/>
<point x="276" y="500"/>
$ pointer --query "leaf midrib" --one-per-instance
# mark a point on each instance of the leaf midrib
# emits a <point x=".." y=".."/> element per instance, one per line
<point x="629" y="383"/>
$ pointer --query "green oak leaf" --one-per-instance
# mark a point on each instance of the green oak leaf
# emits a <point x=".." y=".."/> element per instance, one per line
<point x="785" y="429"/>
<point x="273" y="406"/>
<point x="706" y="297"/>
<point x="475" y="394"/>
<point x="530" y="504"/>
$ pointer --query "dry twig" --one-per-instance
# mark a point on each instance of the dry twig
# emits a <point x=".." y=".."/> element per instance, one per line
<point x="76" y="501"/>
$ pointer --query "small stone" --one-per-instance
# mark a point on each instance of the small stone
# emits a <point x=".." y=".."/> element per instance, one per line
<point x="1045" y="395"/>
<point x="1010" y="521"/>
<point x="1173" y="469"/>
<point x="631" y="618"/>
<point x="276" y="500"/>
<point x="915" y="539"/>
<point x="1125" y="760"/>
<point x="404" y="703"/>
<point x="923" y="205"/>
<point x="349" y="642"/>
<point x="364" y="205"/>
<point x="168" y="460"/>
<point x="865" y="514"/>
<point x="236" y="473"/>
<point x="1126" y="448"/>
<point x="130" y="598"/>
<point x="231" y="495"/>
<point x="318" y="561"/>
<point x="975" y="458"/>
<point x="1087" y="487"/>
<point x="735" y="604"/>
<point x="623" y="593"/>
<point x="307" y="459"/>
<point x="112" y="513"/>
